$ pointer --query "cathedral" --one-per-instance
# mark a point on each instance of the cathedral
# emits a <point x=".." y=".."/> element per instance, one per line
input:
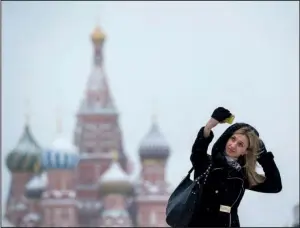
<point x="88" y="181"/>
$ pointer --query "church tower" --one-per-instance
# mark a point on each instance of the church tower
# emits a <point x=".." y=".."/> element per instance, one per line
<point x="97" y="133"/>
<point x="59" y="201"/>
<point x="33" y="193"/>
<point x="153" y="188"/>
<point x="116" y="189"/>
<point x="23" y="162"/>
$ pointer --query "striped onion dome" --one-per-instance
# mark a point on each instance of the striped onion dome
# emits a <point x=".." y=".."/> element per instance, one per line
<point x="154" y="144"/>
<point x="115" y="180"/>
<point x="60" y="155"/>
<point x="25" y="157"/>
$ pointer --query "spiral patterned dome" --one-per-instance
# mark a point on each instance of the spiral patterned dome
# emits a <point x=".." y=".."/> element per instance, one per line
<point x="26" y="156"/>
<point x="60" y="155"/>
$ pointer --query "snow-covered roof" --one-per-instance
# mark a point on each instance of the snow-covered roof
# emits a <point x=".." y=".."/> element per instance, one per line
<point x="115" y="173"/>
<point x="20" y="206"/>
<point x="144" y="187"/>
<point x="89" y="204"/>
<point x="31" y="217"/>
<point x="61" y="154"/>
<point x="115" y="213"/>
<point x="63" y="145"/>
<point x="96" y="79"/>
<point x="154" y="138"/>
<point x="59" y="193"/>
<point x="99" y="99"/>
<point x="37" y="182"/>
<point x="96" y="108"/>
<point x="154" y="144"/>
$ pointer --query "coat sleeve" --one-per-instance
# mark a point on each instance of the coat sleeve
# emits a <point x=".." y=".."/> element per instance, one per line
<point x="272" y="183"/>
<point x="199" y="149"/>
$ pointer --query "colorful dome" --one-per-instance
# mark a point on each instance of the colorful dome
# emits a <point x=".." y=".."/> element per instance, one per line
<point x="154" y="144"/>
<point x="97" y="35"/>
<point x="60" y="155"/>
<point x="25" y="157"/>
<point x="115" y="180"/>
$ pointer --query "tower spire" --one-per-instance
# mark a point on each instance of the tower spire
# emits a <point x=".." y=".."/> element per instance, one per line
<point x="98" y="38"/>
<point x="154" y="111"/>
<point x="58" y="120"/>
<point x="98" y="20"/>
<point x="58" y="110"/>
<point x="27" y="111"/>
<point x="97" y="91"/>
<point x="27" y="103"/>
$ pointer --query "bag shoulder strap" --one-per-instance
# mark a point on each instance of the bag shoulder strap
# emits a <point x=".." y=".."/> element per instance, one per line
<point x="207" y="170"/>
<point x="191" y="170"/>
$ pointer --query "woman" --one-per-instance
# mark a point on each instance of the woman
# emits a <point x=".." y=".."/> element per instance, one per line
<point x="232" y="170"/>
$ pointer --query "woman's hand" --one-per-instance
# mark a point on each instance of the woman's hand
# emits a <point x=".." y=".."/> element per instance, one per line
<point x="221" y="114"/>
<point x="218" y="116"/>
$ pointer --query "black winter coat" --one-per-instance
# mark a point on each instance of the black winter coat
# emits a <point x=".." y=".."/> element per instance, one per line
<point x="225" y="186"/>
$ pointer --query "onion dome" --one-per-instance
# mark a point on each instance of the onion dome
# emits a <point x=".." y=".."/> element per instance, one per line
<point x="154" y="144"/>
<point x="115" y="180"/>
<point x="97" y="35"/>
<point x="25" y="157"/>
<point x="36" y="186"/>
<point x="60" y="155"/>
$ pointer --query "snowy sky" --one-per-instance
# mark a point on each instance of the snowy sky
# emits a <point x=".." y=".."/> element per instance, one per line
<point x="185" y="57"/>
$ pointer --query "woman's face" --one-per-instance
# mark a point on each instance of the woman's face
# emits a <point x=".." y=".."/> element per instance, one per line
<point x="237" y="145"/>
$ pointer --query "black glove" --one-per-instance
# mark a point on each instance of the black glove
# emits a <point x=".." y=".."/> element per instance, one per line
<point x="262" y="149"/>
<point x="220" y="114"/>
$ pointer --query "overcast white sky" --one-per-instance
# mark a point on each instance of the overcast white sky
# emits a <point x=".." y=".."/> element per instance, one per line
<point x="188" y="56"/>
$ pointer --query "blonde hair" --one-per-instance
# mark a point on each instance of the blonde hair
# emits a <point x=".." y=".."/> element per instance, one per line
<point x="250" y="157"/>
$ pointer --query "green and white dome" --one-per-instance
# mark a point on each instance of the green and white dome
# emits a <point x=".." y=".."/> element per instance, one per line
<point x="26" y="156"/>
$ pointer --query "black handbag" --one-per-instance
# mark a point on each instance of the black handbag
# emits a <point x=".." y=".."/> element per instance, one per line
<point x="181" y="203"/>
